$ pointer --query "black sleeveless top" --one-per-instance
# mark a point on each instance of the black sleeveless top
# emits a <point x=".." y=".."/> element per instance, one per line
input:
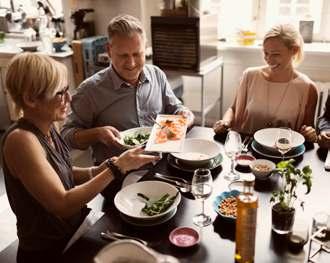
<point x="38" y="229"/>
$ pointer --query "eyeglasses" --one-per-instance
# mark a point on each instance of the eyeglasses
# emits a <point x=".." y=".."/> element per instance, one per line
<point x="62" y="93"/>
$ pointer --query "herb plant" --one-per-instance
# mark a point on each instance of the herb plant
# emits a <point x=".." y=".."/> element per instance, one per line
<point x="292" y="177"/>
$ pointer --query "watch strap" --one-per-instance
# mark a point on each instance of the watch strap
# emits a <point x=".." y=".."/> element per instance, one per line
<point x="117" y="174"/>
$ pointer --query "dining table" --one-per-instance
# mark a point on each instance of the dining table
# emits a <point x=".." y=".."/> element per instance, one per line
<point x="217" y="240"/>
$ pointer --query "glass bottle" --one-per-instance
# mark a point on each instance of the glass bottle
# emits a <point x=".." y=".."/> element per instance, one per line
<point x="246" y="222"/>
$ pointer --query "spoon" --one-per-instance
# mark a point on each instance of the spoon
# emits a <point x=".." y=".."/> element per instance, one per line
<point x="169" y="133"/>
<point x="183" y="186"/>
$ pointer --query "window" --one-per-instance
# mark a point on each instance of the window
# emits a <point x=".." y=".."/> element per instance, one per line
<point x="260" y="15"/>
<point x="293" y="11"/>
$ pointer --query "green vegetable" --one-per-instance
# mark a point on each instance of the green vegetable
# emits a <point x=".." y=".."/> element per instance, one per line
<point x="159" y="206"/>
<point x="136" y="139"/>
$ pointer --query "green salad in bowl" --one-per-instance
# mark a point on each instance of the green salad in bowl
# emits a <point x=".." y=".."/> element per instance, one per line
<point x="134" y="137"/>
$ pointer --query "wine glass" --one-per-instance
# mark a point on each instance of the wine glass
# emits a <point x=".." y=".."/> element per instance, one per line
<point x="233" y="146"/>
<point x="283" y="142"/>
<point x="202" y="189"/>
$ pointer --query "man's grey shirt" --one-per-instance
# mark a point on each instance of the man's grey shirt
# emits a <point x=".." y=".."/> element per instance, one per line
<point x="106" y="100"/>
<point x="324" y="120"/>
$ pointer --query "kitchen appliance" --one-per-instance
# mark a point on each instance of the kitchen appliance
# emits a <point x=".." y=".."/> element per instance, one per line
<point x="185" y="43"/>
<point x="84" y="26"/>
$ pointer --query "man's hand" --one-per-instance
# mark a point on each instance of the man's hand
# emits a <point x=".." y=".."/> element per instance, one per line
<point x="221" y="126"/>
<point x="309" y="133"/>
<point x="188" y="115"/>
<point x="109" y="135"/>
<point x="324" y="139"/>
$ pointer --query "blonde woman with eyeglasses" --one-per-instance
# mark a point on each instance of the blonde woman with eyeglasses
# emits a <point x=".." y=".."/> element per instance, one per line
<point x="47" y="194"/>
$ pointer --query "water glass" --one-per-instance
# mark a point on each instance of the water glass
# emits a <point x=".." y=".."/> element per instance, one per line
<point x="202" y="189"/>
<point x="233" y="146"/>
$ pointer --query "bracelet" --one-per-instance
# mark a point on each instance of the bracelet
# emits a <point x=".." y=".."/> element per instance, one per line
<point x="114" y="169"/>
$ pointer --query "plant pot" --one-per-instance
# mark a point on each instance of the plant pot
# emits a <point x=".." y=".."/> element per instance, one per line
<point x="282" y="220"/>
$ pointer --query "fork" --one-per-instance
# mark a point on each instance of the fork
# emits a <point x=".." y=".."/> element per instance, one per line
<point x="117" y="236"/>
<point x="184" y="186"/>
<point x="169" y="133"/>
<point x="246" y="144"/>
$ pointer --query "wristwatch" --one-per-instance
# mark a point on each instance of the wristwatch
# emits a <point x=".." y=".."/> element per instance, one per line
<point x="117" y="174"/>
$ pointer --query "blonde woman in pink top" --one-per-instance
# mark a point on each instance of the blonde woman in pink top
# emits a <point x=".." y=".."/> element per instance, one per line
<point x="274" y="95"/>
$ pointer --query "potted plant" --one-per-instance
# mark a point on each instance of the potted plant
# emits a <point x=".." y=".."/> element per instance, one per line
<point x="283" y="210"/>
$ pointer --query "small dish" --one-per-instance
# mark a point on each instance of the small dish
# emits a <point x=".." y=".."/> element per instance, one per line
<point x="58" y="44"/>
<point x="262" y="168"/>
<point x="244" y="160"/>
<point x="184" y="237"/>
<point x="220" y="198"/>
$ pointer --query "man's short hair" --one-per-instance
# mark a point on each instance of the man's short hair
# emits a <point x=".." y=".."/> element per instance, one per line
<point x="125" y="25"/>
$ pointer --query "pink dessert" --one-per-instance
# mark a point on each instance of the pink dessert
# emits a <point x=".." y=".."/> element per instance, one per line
<point x="184" y="237"/>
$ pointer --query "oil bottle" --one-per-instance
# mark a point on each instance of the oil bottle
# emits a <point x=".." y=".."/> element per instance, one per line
<point x="246" y="222"/>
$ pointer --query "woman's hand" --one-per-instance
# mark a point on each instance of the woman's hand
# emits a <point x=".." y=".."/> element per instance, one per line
<point x="221" y="126"/>
<point x="309" y="133"/>
<point x="133" y="159"/>
<point x="324" y="139"/>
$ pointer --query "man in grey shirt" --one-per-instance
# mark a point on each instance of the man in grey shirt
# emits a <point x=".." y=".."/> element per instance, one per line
<point x="127" y="94"/>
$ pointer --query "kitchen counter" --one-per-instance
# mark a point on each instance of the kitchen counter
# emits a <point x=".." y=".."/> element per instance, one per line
<point x="10" y="48"/>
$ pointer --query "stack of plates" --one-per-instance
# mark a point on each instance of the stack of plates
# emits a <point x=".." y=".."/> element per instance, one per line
<point x="130" y="204"/>
<point x="214" y="164"/>
<point x="264" y="144"/>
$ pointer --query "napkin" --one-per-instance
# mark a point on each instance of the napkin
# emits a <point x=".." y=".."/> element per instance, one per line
<point x="327" y="161"/>
<point x="133" y="177"/>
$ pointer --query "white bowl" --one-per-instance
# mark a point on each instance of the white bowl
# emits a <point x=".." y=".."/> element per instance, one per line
<point x="132" y="132"/>
<point x="130" y="204"/>
<point x="198" y="152"/>
<point x="262" y="168"/>
<point x="29" y="46"/>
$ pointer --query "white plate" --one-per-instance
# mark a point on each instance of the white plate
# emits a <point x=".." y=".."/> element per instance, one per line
<point x="264" y="152"/>
<point x="129" y="203"/>
<point x="132" y="132"/>
<point x="198" y="152"/>
<point x="130" y="251"/>
<point x="266" y="137"/>
<point x="154" y="222"/>
<point x="169" y="145"/>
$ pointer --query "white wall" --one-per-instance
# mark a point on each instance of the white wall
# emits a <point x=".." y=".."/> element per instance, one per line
<point x="104" y="10"/>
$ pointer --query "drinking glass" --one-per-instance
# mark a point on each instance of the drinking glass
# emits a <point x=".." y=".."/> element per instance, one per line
<point x="202" y="189"/>
<point x="283" y="141"/>
<point x="233" y="146"/>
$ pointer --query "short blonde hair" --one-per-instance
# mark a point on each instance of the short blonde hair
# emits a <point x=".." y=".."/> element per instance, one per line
<point x="290" y="37"/>
<point x="125" y="25"/>
<point x="38" y="75"/>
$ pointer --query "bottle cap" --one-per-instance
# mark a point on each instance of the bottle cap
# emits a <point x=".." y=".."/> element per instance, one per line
<point x="249" y="180"/>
